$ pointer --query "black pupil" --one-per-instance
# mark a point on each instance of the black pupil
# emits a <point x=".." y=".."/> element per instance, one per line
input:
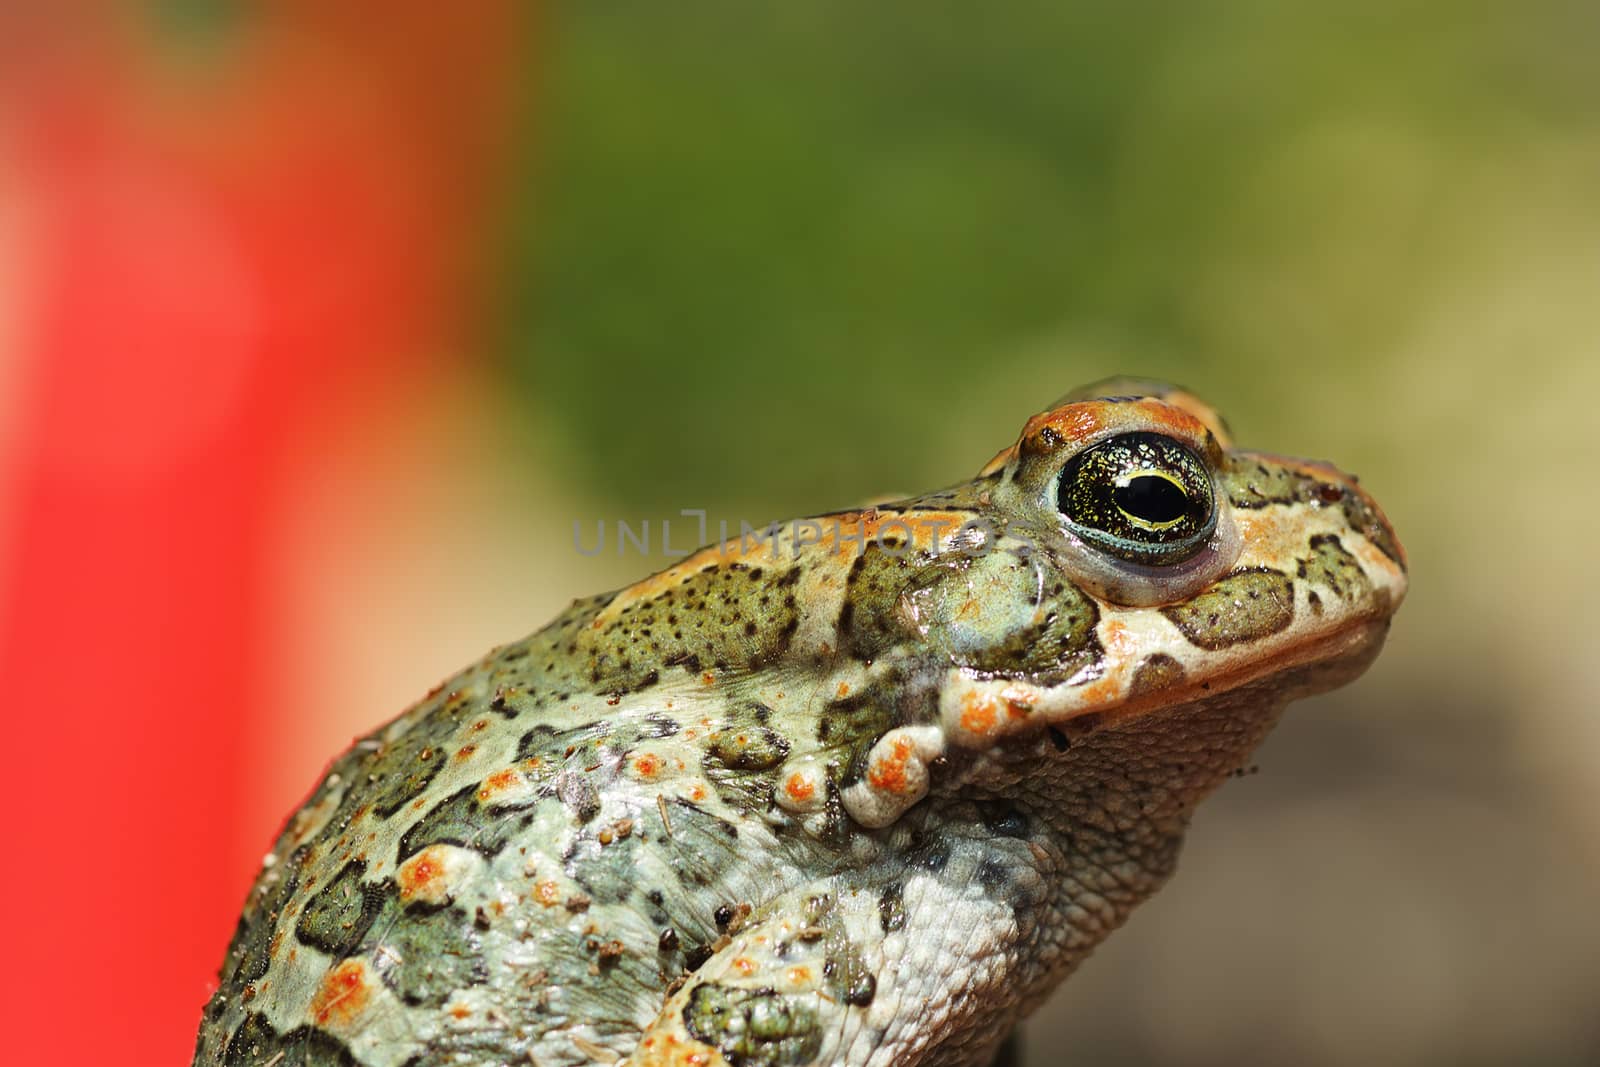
<point x="1151" y="498"/>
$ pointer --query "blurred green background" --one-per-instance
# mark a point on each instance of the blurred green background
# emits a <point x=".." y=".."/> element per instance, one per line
<point x="774" y="262"/>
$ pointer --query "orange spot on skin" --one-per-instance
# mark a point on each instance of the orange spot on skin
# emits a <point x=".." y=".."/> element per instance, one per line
<point x="1075" y="422"/>
<point x="697" y="792"/>
<point x="1250" y="526"/>
<point x="978" y="714"/>
<point x="1173" y="419"/>
<point x="1081" y="421"/>
<point x="708" y="678"/>
<point x="1101" y="693"/>
<point x="459" y="1011"/>
<point x="799" y="975"/>
<point x="888" y="772"/>
<point x="799" y="787"/>
<point x="547" y="893"/>
<point x="421" y="877"/>
<point x="1078" y="422"/>
<point x="745" y="965"/>
<point x="1121" y="650"/>
<point x="648" y="765"/>
<point x="342" y="996"/>
<point x="497" y="783"/>
<point x="844" y="689"/>
<point x="1116" y="637"/>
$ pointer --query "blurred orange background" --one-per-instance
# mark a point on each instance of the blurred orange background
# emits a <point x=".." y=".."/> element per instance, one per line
<point x="321" y="323"/>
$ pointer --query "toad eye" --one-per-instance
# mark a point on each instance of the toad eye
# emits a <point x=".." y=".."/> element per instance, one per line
<point x="1141" y="497"/>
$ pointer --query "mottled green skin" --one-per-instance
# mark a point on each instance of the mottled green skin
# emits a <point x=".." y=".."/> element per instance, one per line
<point x="605" y="818"/>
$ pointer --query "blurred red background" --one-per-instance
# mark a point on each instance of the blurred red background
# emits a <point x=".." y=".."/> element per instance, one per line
<point x="219" y="249"/>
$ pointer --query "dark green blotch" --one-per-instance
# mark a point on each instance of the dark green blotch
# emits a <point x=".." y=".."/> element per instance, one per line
<point x="736" y="762"/>
<point x="460" y="819"/>
<point x="425" y="955"/>
<point x="723" y="617"/>
<point x="1245" y="606"/>
<point x="256" y="1044"/>
<point x="608" y="873"/>
<point x="891" y="907"/>
<point x="250" y="952"/>
<point x="753" y="1027"/>
<point x="1331" y="566"/>
<point x="850" y="726"/>
<point x="552" y="747"/>
<point x="1251" y="484"/>
<point x="1160" y="671"/>
<point x="405" y="770"/>
<point x="337" y="918"/>
<point x="869" y="623"/>
<point x="591" y="743"/>
<point x="837" y="826"/>
<point x="748" y="748"/>
<point x="990" y="615"/>
<point x="848" y="976"/>
<point x="863" y="716"/>
<point x="400" y="770"/>
<point x="704" y="846"/>
<point x="1367" y="522"/>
